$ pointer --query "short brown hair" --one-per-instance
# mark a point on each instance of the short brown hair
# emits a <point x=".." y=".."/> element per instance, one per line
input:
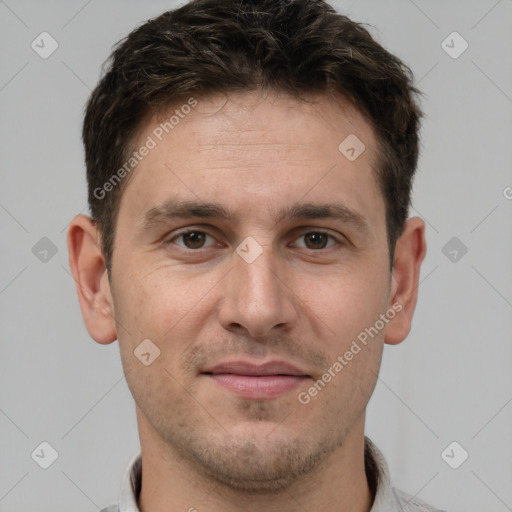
<point x="299" y="47"/>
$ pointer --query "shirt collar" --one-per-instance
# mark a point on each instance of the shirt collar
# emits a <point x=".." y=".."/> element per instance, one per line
<point x="131" y="484"/>
<point x="378" y="472"/>
<point x="376" y="468"/>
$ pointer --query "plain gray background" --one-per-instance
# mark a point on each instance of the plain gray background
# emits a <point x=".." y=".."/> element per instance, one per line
<point x="451" y="380"/>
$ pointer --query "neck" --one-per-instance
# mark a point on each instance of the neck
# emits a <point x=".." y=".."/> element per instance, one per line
<point x="171" y="484"/>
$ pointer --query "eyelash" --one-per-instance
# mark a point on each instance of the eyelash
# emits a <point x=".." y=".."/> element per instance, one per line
<point x="191" y="230"/>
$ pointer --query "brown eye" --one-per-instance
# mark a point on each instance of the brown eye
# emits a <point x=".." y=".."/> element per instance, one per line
<point x="316" y="240"/>
<point x="191" y="239"/>
<point x="194" y="239"/>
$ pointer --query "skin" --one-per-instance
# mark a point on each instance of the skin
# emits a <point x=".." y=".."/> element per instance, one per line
<point x="303" y="300"/>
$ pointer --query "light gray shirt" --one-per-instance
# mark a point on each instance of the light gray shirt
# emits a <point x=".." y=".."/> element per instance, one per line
<point x="387" y="498"/>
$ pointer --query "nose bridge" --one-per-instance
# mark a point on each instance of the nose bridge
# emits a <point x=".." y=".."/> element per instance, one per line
<point x="257" y="280"/>
<point x="263" y="271"/>
<point x="256" y="298"/>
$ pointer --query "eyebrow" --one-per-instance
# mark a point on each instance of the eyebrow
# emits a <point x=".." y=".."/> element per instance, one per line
<point x="184" y="209"/>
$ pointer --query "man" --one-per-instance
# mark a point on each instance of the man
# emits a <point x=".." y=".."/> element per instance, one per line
<point x="249" y="166"/>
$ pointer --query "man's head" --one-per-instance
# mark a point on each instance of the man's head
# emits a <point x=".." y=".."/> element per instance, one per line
<point x="250" y="241"/>
<point x="298" y="47"/>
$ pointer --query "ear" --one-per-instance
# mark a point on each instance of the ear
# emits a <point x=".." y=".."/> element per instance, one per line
<point x="409" y="253"/>
<point x="89" y="271"/>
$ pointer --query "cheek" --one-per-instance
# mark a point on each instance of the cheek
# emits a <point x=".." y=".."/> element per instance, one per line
<point x="351" y="307"/>
<point x="347" y="303"/>
<point x="152" y="301"/>
<point x="353" y="360"/>
<point x="165" y="306"/>
<point x="356" y="382"/>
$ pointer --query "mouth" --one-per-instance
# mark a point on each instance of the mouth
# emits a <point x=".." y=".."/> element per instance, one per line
<point x="257" y="381"/>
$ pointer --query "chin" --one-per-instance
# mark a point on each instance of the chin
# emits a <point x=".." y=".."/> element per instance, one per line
<point x="264" y="464"/>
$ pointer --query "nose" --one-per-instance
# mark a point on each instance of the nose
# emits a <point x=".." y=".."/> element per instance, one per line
<point x="258" y="297"/>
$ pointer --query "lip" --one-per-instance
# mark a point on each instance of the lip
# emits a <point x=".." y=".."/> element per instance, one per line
<point x="257" y="381"/>
<point x="254" y="369"/>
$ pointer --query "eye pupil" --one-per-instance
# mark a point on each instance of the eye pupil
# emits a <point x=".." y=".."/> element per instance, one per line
<point x="316" y="238"/>
<point x="196" y="238"/>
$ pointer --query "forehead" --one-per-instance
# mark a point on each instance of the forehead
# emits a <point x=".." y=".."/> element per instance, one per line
<point x="269" y="117"/>
<point x="254" y="150"/>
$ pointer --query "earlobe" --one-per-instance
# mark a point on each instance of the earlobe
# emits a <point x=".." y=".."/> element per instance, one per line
<point x="90" y="274"/>
<point x="409" y="253"/>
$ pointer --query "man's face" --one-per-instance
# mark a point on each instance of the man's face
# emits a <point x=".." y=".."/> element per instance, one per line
<point x="219" y="306"/>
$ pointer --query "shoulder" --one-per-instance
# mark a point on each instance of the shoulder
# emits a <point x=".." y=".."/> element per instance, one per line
<point x="409" y="503"/>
